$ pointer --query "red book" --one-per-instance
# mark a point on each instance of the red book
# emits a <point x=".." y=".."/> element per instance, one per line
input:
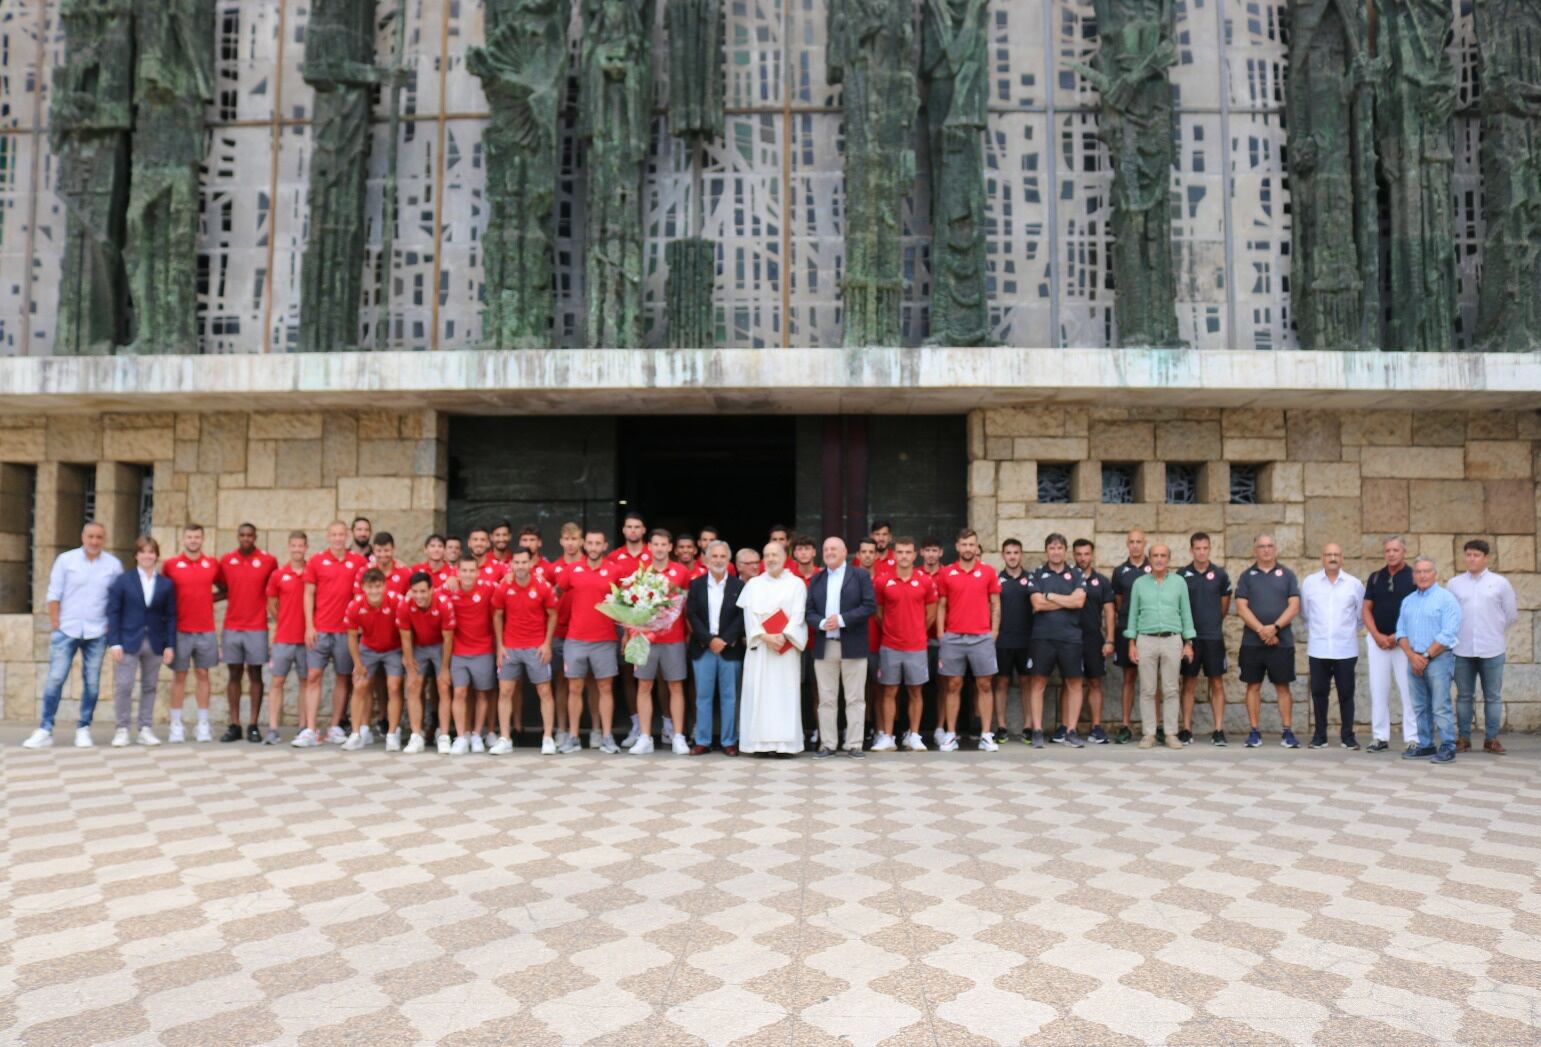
<point x="777" y="623"/>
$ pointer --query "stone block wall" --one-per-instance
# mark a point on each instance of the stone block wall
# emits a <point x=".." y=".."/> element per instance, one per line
<point x="279" y="471"/>
<point x="1437" y="478"/>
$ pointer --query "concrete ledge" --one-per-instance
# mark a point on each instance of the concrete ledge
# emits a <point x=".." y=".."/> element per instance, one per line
<point x="924" y="380"/>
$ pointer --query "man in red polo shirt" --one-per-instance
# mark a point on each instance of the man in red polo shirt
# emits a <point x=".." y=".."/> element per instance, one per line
<point x="968" y="617"/>
<point x="473" y="667"/>
<point x="804" y="550"/>
<point x="906" y="612"/>
<point x="426" y="620"/>
<point x="591" y="648"/>
<point x="685" y="553"/>
<point x="882" y="538"/>
<point x="567" y="725"/>
<point x="479" y="545"/>
<point x="374" y="643"/>
<point x="435" y="561"/>
<point x="502" y="542"/>
<point x="523" y="624"/>
<point x="398" y="576"/>
<point x="285" y="594"/>
<point x="624" y="561"/>
<point x="244" y="644"/>
<point x="328" y="590"/>
<point x="529" y="538"/>
<point x="666" y="658"/>
<point x="195" y="576"/>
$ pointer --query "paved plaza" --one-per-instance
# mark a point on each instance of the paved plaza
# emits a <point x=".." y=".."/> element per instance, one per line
<point x="239" y="894"/>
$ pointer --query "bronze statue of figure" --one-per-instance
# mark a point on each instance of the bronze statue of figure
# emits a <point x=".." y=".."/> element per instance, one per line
<point x="615" y="110"/>
<point x="1130" y="72"/>
<point x="953" y="61"/>
<point x="91" y="118"/>
<point x="1509" y="49"/>
<point x="522" y="67"/>
<point x="694" y="30"/>
<point x="1416" y="100"/>
<point x="872" y="53"/>
<point x="340" y="65"/>
<point x="1335" y="256"/>
<point x="173" y="81"/>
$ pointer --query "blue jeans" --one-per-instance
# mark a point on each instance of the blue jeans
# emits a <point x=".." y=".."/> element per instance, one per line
<point x="61" y="654"/>
<point x="1431" y="698"/>
<point x="1491" y="671"/>
<point x="717" y="676"/>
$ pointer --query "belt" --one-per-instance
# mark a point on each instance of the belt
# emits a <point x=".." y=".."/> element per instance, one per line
<point x="1160" y="635"/>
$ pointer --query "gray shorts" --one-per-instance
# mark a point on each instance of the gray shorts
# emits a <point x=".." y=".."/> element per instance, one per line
<point x="582" y="658"/>
<point x="333" y="648"/>
<point x="197" y="649"/>
<point x="902" y="667"/>
<point x="429" y="657"/>
<point x="476" y="671"/>
<point x="244" y="647"/>
<point x="960" y="651"/>
<point x="523" y="663"/>
<point x="374" y="661"/>
<point x="667" y="658"/>
<point x="287" y="656"/>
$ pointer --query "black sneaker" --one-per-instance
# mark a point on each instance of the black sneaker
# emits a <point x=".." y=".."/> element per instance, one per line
<point x="1160" y="735"/>
<point x="1377" y="746"/>
<point x="1217" y="738"/>
<point x="1350" y="742"/>
<point x="823" y="754"/>
<point x="1185" y="736"/>
<point x="253" y="735"/>
<point x="853" y="754"/>
<point x="1124" y="736"/>
<point x="1318" y="741"/>
<point x="1058" y="736"/>
<point x="232" y="733"/>
<point x="1002" y="736"/>
<point x="1419" y="753"/>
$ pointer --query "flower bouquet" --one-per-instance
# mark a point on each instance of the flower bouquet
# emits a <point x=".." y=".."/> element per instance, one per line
<point x="646" y="603"/>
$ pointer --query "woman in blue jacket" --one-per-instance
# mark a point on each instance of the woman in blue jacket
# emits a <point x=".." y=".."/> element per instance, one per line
<point x="142" y="635"/>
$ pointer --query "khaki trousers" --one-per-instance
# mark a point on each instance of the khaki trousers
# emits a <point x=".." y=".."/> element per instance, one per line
<point x="1160" y="658"/>
<point x="830" y="671"/>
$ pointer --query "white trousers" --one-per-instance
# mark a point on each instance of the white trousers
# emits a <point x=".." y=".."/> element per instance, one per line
<point x="830" y="672"/>
<point x="1386" y="666"/>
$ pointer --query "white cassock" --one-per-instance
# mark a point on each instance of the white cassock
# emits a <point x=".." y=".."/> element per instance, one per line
<point x="770" y="705"/>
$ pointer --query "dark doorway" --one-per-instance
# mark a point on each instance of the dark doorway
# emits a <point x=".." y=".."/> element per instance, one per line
<point x="738" y="473"/>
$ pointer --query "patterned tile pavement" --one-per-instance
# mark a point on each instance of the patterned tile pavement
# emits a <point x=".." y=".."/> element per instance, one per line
<point x="236" y="894"/>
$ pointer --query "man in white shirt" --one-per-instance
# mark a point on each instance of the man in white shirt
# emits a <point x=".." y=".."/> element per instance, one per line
<point x="77" y="610"/>
<point x="1331" y="602"/>
<point x="840" y="603"/>
<point x="1488" y="608"/>
<point x="716" y="648"/>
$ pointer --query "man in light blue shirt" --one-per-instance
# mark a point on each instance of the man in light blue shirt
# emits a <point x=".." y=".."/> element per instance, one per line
<point x="77" y="609"/>
<point x="1427" y="627"/>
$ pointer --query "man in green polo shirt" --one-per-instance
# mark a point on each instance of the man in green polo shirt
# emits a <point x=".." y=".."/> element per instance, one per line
<point x="1160" y="633"/>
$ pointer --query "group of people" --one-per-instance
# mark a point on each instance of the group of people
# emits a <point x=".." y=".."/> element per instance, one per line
<point x="789" y="646"/>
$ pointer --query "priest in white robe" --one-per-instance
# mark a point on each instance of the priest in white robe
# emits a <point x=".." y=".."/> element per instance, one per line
<point x="770" y="704"/>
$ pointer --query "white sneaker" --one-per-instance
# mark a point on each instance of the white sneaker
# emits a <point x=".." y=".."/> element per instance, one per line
<point x="572" y="745"/>
<point x="883" y="743"/>
<point x="594" y="740"/>
<point x="937" y="736"/>
<point x="415" y="744"/>
<point x="365" y="736"/>
<point x="668" y="730"/>
<point x="631" y="739"/>
<point x="987" y="744"/>
<point x="914" y="743"/>
<point x="393" y="742"/>
<point x="643" y="746"/>
<point x="501" y="747"/>
<point x="607" y="744"/>
<point x="120" y="738"/>
<point x="83" y="738"/>
<point x="177" y="734"/>
<point x="202" y="732"/>
<point x="147" y="737"/>
<point x="353" y="743"/>
<point x="306" y="739"/>
<point x="335" y="735"/>
<point x="475" y="742"/>
<point x="548" y="746"/>
<point x="443" y="743"/>
<point x="560" y="738"/>
<point x="681" y="746"/>
<point x="39" y="739"/>
<point x="461" y="747"/>
<point x="949" y="743"/>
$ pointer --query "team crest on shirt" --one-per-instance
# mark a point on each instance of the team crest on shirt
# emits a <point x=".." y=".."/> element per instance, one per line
<point x="1210" y="576"/>
<point x="1023" y="580"/>
<point x="1278" y="572"/>
<point x="1067" y="576"/>
<point x="1095" y="581"/>
<point x="976" y="574"/>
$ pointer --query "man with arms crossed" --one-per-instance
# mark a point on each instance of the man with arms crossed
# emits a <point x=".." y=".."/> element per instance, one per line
<point x="196" y="577"/>
<point x="1268" y="599"/>
<point x="906" y="608"/>
<point x="244" y="645"/>
<point x="1209" y="597"/>
<point x="1098" y="623"/>
<point x="426" y="620"/>
<point x="285" y="594"/>
<point x="591" y="648"/>
<point x="374" y="643"/>
<point x="329" y="577"/>
<point x="1386" y="661"/>
<point x="968" y="617"/>
<point x="1058" y="594"/>
<point x="523" y="623"/>
<point x="1016" y="631"/>
<point x="1124" y="577"/>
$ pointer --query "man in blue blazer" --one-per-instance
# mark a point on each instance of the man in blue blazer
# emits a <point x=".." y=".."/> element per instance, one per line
<point x="840" y="600"/>
<point x="141" y="635"/>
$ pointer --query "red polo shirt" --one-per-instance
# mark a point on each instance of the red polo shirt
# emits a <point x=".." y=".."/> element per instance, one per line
<point x="589" y="587"/>
<point x="376" y="626"/>
<point x="679" y="576"/>
<point x="287" y="584"/>
<point x="428" y="625"/>
<point x="333" y="579"/>
<point x="398" y="581"/>
<point x="246" y="588"/>
<point x="524" y="610"/>
<point x="555" y="573"/>
<point x="968" y="597"/>
<point x="473" y="618"/>
<point x="194" y="579"/>
<point x="904" y="602"/>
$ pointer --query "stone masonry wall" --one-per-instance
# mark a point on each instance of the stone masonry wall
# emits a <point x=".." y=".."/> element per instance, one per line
<point x="279" y="471"/>
<point x="1351" y="477"/>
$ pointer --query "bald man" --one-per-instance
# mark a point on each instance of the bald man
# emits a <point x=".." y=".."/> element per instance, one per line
<point x="1331" y="601"/>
